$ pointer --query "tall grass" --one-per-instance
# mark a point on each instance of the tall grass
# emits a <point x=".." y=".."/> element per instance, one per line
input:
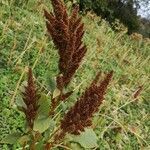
<point x="123" y="122"/>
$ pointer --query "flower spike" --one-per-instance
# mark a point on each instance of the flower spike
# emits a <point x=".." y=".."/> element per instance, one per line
<point x="67" y="33"/>
<point x="30" y="98"/>
<point x="80" y="115"/>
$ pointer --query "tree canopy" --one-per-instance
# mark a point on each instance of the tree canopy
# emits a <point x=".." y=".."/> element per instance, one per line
<point x="124" y="10"/>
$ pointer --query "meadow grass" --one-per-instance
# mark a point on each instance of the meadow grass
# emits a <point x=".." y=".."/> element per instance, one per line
<point x="123" y="121"/>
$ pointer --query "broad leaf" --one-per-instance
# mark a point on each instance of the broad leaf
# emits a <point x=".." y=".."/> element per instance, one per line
<point x="22" y="87"/>
<point x="51" y="83"/>
<point x="48" y="132"/>
<point x="75" y="146"/>
<point x="44" y="105"/>
<point x="42" y="124"/>
<point x="11" y="138"/>
<point x="87" y="139"/>
<point x="20" y="103"/>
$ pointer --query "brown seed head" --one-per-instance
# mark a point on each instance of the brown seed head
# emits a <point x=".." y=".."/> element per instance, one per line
<point x="30" y="98"/>
<point x="80" y="115"/>
<point x="67" y="33"/>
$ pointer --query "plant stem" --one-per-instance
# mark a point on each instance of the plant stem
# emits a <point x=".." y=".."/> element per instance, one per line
<point x="32" y="146"/>
<point x="58" y="136"/>
<point x="55" y="102"/>
<point x="24" y="146"/>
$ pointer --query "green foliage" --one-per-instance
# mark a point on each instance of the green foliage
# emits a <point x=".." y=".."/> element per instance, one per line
<point x="125" y="11"/>
<point x="41" y="124"/>
<point x="87" y="139"/>
<point x="44" y="105"/>
<point x="11" y="138"/>
<point x="145" y="27"/>
<point x="51" y="84"/>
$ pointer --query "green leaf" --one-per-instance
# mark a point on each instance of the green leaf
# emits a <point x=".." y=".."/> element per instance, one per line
<point x="11" y="138"/>
<point x="87" y="139"/>
<point x="22" y="87"/>
<point x="20" y="103"/>
<point x="56" y="93"/>
<point x="41" y="124"/>
<point x="50" y="129"/>
<point x="51" y="83"/>
<point x="75" y="146"/>
<point x="44" y="105"/>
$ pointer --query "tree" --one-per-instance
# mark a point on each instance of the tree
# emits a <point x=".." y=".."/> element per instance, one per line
<point x="124" y="10"/>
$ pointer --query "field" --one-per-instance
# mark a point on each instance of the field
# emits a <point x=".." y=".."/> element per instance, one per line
<point x="123" y="120"/>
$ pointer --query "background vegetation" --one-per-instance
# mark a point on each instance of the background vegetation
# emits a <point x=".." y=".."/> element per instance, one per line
<point x="124" y="10"/>
<point x="123" y="121"/>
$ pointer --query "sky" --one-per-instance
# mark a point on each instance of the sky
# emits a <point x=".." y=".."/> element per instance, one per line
<point x="144" y="10"/>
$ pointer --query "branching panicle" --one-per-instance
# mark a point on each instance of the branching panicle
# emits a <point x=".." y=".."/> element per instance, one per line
<point x="79" y="116"/>
<point x="67" y="33"/>
<point x="30" y="98"/>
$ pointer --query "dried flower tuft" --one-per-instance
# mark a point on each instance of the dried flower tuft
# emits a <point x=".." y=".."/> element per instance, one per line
<point x="80" y="115"/>
<point x="138" y="92"/>
<point x="67" y="33"/>
<point x="30" y="98"/>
